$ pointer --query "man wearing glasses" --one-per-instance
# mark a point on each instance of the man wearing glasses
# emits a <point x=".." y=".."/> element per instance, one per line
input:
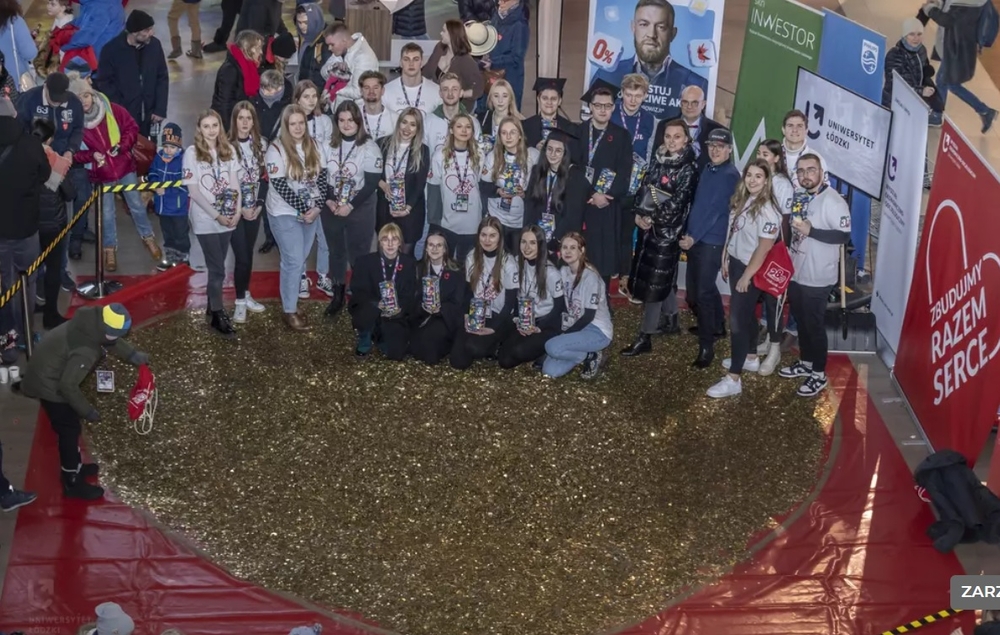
<point x="693" y="114"/>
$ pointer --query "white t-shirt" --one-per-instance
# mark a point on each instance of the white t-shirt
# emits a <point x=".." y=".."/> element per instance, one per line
<point x="484" y="286"/>
<point x="380" y="125"/>
<point x="460" y="198"/>
<point x="425" y="97"/>
<point x="792" y="158"/>
<point x="817" y="264"/>
<point x="745" y="232"/>
<point x="784" y="191"/>
<point x="218" y="182"/>
<point x="250" y="171"/>
<point x="277" y="169"/>
<point x="513" y="215"/>
<point x="436" y="132"/>
<point x="529" y="287"/>
<point x="346" y="167"/>
<point x="320" y="128"/>
<point x="589" y="294"/>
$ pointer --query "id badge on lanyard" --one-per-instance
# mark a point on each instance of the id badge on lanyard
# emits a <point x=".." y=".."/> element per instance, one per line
<point x="461" y="203"/>
<point x="590" y="174"/>
<point x="105" y="380"/>
<point x="344" y="189"/>
<point x="431" y="301"/>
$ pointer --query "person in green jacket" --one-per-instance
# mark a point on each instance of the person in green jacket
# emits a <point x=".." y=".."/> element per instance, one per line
<point x="62" y="360"/>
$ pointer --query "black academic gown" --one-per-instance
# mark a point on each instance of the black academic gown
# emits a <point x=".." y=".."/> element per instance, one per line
<point x="414" y="185"/>
<point x="568" y="210"/>
<point x="603" y="226"/>
<point x="533" y="134"/>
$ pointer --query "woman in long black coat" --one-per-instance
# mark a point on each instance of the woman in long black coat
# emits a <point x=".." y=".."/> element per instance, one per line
<point x="671" y="179"/>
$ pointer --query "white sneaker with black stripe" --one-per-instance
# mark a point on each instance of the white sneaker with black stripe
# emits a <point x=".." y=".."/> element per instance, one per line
<point x="304" y="287"/>
<point x="813" y="385"/>
<point x="796" y="370"/>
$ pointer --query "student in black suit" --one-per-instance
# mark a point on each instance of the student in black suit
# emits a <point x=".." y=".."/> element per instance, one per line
<point x="441" y="313"/>
<point x="693" y="114"/>
<point x="549" y="93"/>
<point x="557" y="191"/>
<point x="405" y="161"/>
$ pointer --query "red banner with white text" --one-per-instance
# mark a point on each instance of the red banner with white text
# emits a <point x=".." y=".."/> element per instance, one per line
<point x="946" y="363"/>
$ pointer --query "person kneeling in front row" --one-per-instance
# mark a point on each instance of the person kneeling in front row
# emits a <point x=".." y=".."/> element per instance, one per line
<point x="384" y="296"/>
<point x="586" y="324"/>
<point x="442" y="301"/>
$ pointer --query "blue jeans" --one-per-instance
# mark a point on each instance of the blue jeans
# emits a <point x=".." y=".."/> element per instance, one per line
<point x="135" y="205"/>
<point x="295" y="241"/>
<point x="564" y="352"/>
<point x="322" y="250"/>
<point x="961" y="92"/>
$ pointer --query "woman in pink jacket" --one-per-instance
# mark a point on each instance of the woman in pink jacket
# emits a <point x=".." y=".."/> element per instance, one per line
<point x="109" y="133"/>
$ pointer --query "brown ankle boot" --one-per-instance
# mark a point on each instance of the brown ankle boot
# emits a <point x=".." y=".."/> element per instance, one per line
<point x="175" y="48"/>
<point x="296" y="322"/>
<point x="110" y="259"/>
<point x="153" y="248"/>
<point x="195" y="52"/>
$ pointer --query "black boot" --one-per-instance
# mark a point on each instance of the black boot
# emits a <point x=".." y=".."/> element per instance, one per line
<point x="719" y="335"/>
<point x="75" y="248"/>
<point x="704" y="359"/>
<point x="89" y="470"/>
<point x="266" y="247"/>
<point x="222" y="325"/>
<point x="669" y="324"/>
<point x="75" y="487"/>
<point x="642" y="344"/>
<point x="337" y="303"/>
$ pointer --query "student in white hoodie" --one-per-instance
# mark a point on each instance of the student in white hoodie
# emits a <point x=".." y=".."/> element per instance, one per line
<point x="356" y="58"/>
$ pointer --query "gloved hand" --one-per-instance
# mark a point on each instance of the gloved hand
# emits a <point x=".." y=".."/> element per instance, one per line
<point x="93" y="416"/>
<point x="139" y="358"/>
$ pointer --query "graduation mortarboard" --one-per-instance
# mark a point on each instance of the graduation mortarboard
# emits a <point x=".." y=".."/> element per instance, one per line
<point x="550" y="83"/>
<point x="565" y="136"/>
<point x="600" y="83"/>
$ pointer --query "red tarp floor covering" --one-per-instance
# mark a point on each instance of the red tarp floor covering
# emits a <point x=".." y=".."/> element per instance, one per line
<point x="851" y="560"/>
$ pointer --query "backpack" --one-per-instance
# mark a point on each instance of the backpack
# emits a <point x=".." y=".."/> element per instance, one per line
<point x="987" y="26"/>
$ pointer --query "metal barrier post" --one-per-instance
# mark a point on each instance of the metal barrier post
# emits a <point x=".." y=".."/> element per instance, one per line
<point x="99" y="287"/>
<point x="28" y="314"/>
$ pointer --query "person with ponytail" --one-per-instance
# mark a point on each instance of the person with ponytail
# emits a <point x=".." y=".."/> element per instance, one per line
<point x="442" y="305"/>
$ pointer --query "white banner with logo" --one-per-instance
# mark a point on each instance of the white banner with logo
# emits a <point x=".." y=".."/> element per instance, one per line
<point x="850" y="132"/>
<point x="900" y="224"/>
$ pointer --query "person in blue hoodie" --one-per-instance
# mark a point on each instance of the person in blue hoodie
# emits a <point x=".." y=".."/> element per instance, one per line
<point x="171" y="203"/>
<point x="510" y="18"/>
<point x="704" y="241"/>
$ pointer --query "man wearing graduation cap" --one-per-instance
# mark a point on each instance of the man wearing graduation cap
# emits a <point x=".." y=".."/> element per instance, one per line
<point x="653" y="31"/>
<point x="549" y="93"/>
<point x="608" y="167"/>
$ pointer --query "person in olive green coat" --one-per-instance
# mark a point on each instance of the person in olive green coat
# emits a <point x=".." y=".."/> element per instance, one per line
<point x="62" y="360"/>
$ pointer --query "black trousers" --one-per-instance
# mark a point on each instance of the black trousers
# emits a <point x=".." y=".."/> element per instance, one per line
<point x="774" y="326"/>
<point x="53" y="272"/>
<point x="460" y="245"/>
<point x="808" y="306"/>
<point x="348" y="237"/>
<point x="742" y="320"/>
<point x="468" y="347"/>
<point x="243" y="241"/>
<point x="512" y="239"/>
<point x="392" y="336"/>
<point x="215" y="247"/>
<point x="519" y="349"/>
<point x="268" y="236"/>
<point x="4" y="483"/>
<point x="703" y="264"/>
<point x="66" y="424"/>
<point x="176" y="235"/>
<point x="627" y="236"/>
<point x="230" y="9"/>
<point x="431" y="342"/>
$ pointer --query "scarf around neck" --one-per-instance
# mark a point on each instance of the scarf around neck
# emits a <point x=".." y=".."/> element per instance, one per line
<point x="101" y="110"/>
<point x="251" y="75"/>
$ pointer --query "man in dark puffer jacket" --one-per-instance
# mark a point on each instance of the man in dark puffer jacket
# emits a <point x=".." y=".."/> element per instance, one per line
<point x="410" y="22"/>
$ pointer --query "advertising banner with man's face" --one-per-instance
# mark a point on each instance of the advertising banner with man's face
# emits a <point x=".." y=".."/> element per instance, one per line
<point x="673" y="43"/>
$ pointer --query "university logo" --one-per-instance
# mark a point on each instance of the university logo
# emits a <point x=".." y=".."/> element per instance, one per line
<point x="869" y="56"/>
<point x="893" y="165"/>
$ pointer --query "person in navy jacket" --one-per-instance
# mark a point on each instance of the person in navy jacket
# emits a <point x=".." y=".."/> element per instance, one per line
<point x="171" y="204"/>
<point x="510" y="17"/>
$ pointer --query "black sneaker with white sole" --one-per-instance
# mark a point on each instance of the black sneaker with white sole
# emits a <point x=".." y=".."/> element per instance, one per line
<point x="593" y="365"/>
<point x="798" y="369"/>
<point x="812" y="386"/>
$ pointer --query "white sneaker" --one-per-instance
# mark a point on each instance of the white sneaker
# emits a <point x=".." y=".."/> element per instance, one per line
<point x="771" y="361"/>
<point x="764" y="347"/>
<point x="324" y="284"/>
<point x="726" y="387"/>
<point x="240" y="312"/>
<point x="304" y="287"/>
<point x="749" y="365"/>
<point x="252" y="305"/>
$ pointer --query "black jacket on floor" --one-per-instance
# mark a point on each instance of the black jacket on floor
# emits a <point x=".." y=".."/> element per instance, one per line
<point x="135" y="79"/>
<point x="967" y="510"/>
<point x="23" y="173"/>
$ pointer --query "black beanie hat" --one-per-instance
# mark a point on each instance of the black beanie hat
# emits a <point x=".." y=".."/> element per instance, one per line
<point x="138" y="21"/>
<point x="284" y="46"/>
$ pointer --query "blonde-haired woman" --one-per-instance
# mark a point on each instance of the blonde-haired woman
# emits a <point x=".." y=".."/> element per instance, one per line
<point x="454" y="200"/>
<point x="505" y="175"/>
<point x="500" y="104"/>
<point x="354" y="168"/>
<point x="406" y="161"/>
<point x="296" y="168"/>
<point x="384" y="296"/>
<point x="754" y="226"/>
<point x="320" y="127"/>
<point x="246" y="139"/>
<point x="238" y="77"/>
<point x="212" y="177"/>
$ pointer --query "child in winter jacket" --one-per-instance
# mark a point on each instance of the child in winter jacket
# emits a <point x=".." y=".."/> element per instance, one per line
<point x="171" y="204"/>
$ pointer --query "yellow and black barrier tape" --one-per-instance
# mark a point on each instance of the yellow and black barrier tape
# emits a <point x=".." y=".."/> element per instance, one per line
<point x="141" y="187"/>
<point x="924" y="621"/>
<point x="9" y="294"/>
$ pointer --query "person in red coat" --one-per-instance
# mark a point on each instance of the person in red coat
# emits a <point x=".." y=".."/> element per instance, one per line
<point x="109" y="133"/>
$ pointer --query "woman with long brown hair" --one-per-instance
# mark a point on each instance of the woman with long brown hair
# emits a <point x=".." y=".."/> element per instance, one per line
<point x="212" y="176"/>
<point x="453" y="194"/>
<point x="505" y="175"/>
<point x="249" y="145"/>
<point x="296" y="168"/>
<point x="754" y="226"/>
<point x="492" y="291"/>
<point x="453" y="54"/>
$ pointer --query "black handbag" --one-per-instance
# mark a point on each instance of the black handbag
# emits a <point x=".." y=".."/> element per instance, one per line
<point x="652" y="198"/>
